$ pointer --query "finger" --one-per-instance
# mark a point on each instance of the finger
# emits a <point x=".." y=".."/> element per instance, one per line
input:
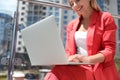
<point x="72" y="58"/>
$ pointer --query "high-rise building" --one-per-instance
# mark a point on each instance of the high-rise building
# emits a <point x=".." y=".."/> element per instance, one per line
<point x="30" y="13"/>
<point x="6" y="29"/>
<point x="118" y="38"/>
<point x="100" y="2"/>
<point x="23" y="12"/>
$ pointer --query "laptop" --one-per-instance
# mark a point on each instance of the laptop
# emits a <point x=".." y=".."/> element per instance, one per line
<point x="44" y="44"/>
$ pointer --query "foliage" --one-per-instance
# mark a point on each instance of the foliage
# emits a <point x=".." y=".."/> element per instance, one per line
<point x="117" y="61"/>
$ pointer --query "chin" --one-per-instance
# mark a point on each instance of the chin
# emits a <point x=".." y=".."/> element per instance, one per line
<point x="79" y="14"/>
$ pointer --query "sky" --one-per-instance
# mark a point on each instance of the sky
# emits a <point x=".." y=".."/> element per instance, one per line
<point x="8" y="6"/>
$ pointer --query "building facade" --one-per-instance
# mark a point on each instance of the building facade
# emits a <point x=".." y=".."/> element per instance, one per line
<point x="31" y="13"/>
<point x="118" y="38"/>
<point x="6" y="28"/>
<point x="100" y="2"/>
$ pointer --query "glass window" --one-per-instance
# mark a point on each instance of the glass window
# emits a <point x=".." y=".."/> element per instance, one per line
<point x="50" y="13"/>
<point x="22" y="13"/>
<point x="30" y="18"/>
<point x="36" y="13"/>
<point x="35" y="19"/>
<point x="73" y="17"/>
<point x="20" y="36"/>
<point x="35" y="7"/>
<point x="40" y="12"/>
<point x="119" y="33"/>
<point x="50" y="8"/>
<point x="22" y="19"/>
<point x="56" y="14"/>
<point x="19" y="48"/>
<point x="65" y="22"/>
<point x="57" y="1"/>
<point x="23" y="2"/>
<point x="65" y="17"/>
<point x="65" y="1"/>
<point x="56" y="9"/>
<point x="23" y="8"/>
<point x="44" y="8"/>
<point x="57" y="19"/>
<point x="65" y="11"/>
<point x="19" y="42"/>
<point x="44" y="13"/>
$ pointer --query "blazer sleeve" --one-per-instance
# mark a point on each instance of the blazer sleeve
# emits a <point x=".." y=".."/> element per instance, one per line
<point x="109" y="37"/>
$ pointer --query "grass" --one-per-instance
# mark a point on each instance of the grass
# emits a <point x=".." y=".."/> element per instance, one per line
<point x="117" y="60"/>
<point x="3" y="77"/>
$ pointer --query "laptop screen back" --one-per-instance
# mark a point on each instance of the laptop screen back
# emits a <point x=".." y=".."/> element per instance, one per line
<point x="43" y="43"/>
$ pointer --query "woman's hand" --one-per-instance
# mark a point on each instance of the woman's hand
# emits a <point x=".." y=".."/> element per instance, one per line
<point x="97" y="58"/>
<point x="78" y="58"/>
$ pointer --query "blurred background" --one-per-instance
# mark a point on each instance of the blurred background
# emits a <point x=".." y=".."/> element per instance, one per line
<point x="29" y="13"/>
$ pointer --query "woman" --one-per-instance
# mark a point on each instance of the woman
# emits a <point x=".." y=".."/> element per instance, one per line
<point x="91" y="38"/>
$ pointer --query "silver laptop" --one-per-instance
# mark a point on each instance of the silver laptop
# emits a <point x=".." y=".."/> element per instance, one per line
<point x="43" y="43"/>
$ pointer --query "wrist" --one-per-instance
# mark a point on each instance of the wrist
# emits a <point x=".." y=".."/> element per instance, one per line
<point x="86" y="59"/>
<point x="83" y="58"/>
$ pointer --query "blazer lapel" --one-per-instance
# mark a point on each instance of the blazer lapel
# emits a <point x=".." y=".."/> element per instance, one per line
<point x="75" y="26"/>
<point x="91" y="32"/>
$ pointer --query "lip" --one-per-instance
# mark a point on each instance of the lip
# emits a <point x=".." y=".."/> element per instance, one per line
<point x="79" y="9"/>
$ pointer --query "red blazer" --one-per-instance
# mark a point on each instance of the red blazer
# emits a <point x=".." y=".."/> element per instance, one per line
<point x="101" y="37"/>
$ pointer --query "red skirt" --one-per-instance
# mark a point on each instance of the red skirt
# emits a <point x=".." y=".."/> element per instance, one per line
<point x="69" y="72"/>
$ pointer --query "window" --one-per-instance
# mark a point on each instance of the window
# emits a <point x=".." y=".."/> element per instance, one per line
<point x="107" y="2"/>
<point x="65" y="1"/>
<point x="56" y="9"/>
<point x="35" y="7"/>
<point x="25" y="50"/>
<point x="29" y="18"/>
<point x="22" y="13"/>
<point x="50" y="8"/>
<point x="44" y="13"/>
<point x="50" y="13"/>
<point x="64" y="33"/>
<point x="23" y="2"/>
<point x="119" y="33"/>
<point x="65" y="22"/>
<point x="19" y="42"/>
<point x="57" y="19"/>
<point x="56" y="14"/>
<point x="19" y="48"/>
<point x="44" y="8"/>
<point x="20" y="36"/>
<point x="36" y="13"/>
<point x="57" y="1"/>
<point x="65" y="17"/>
<point x="65" y="12"/>
<point x="73" y="17"/>
<point x="23" y="8"/>
<point x="64" y="28"/>
<point x="22" y="19"/>
<point x="40" y="12"/>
